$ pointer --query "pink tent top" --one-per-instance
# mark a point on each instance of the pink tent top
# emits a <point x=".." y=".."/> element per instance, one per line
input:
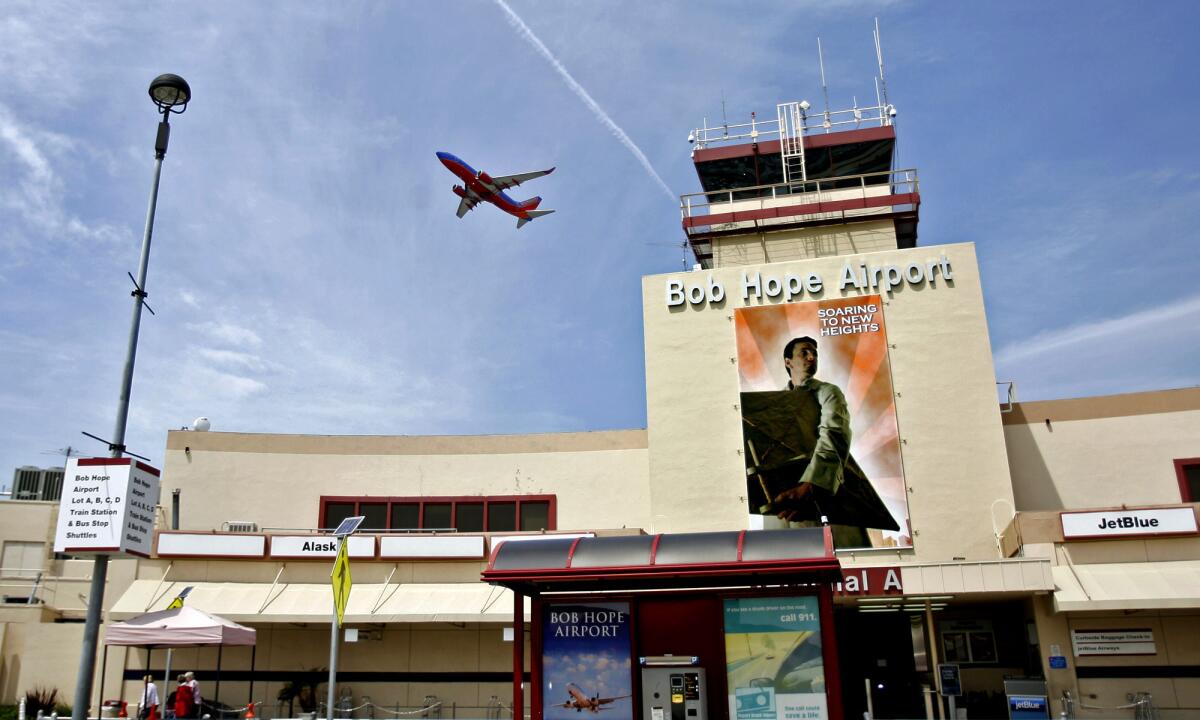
<point x="181" y="627"/>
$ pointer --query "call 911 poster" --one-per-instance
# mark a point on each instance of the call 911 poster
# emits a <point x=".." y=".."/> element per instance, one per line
<point x="586" y="661"/>
<point x="819" y="420"/>
<point x="773" y="659"/>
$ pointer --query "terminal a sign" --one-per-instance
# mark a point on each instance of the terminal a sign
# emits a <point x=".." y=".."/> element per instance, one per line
<point x="869" y="581"/>
<point x="107" y="506"/>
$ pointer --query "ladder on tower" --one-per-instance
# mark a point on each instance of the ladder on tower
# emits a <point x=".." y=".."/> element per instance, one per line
<point x="791" y="141"/>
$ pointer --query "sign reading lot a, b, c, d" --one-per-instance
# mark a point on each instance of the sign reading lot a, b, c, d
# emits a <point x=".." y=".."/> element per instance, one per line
<point x="108" y="505"/>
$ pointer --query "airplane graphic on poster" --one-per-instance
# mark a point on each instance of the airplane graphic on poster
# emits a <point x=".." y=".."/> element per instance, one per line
<point x="479" y="187"/>
<point x="580" y="701"/>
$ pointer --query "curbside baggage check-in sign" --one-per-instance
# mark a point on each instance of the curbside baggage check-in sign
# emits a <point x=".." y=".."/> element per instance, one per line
<point x="107" y="506"/>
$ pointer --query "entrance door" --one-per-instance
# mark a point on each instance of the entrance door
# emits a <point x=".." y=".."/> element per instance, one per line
<point x="878" y="646"/>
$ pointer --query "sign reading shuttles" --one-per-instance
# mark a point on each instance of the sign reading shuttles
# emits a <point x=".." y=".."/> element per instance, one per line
<point x="108" y="506"/>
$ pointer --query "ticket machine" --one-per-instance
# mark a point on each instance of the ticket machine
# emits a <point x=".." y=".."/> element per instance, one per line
<point x="673" y="688"/>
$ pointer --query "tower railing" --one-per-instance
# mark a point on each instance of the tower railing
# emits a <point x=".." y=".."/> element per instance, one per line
<point x="833" y="198"/>
<point x="810" y="122"/>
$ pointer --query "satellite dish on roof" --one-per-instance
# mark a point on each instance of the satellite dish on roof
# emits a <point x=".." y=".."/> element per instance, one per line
<point x="201" y="424"/>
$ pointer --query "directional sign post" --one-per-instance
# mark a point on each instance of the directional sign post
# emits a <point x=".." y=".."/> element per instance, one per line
<point x="340" y="580"/>
<point x="176" y="603"/>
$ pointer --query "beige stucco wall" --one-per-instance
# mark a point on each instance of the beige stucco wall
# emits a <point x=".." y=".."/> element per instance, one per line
<point x="810" y="242"/>
<point x="600" y="478"/>
<point x="1101" y="452"/>
<point x="953" y="446"/>
<point x="1177" y="642"/>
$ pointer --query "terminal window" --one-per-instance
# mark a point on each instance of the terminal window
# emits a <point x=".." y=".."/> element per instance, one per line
<point x="461" y="514"/>
<point x="1188" y="471"/>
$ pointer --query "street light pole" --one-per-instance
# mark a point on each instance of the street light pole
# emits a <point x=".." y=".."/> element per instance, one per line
<point x="171" y="94"/>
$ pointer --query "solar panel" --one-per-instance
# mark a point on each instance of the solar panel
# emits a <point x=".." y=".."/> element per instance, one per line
<point x="348" y="526"/>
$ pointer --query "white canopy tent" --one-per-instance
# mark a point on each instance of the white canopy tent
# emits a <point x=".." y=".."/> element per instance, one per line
<point x="180" y="627"/>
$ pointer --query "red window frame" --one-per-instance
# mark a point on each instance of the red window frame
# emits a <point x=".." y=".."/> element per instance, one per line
<point x="1181" y="475"/>
<point x="453" y="500"/>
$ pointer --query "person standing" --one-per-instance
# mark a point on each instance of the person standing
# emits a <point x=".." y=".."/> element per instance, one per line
<point x="148" y="706"/>
<point x="184" y="707"/>
<point x="190" y="680"/>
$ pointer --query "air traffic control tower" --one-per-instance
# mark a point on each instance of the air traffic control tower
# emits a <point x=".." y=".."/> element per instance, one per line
<point x="807" y="183"/>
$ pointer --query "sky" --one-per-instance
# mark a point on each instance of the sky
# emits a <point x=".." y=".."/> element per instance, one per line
<point x="308" y="273"/>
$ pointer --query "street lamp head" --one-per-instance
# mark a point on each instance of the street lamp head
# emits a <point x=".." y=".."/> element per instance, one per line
<point x="170" y="92"/>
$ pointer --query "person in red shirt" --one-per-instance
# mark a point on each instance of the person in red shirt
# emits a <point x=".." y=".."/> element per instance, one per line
<point x="185" y="706"/>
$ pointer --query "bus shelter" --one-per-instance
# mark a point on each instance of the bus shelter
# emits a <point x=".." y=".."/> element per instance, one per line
<point x="688" y="626"/>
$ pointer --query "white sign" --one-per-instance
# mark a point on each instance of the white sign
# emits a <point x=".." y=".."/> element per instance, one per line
<point x="1113" y="642"/>
<point x="320" y="546"/>
<point x="431" y="546"/>
<point x="180" y="544"/>
<point x="1117" y="523"/>
<point x="107" y="506"/>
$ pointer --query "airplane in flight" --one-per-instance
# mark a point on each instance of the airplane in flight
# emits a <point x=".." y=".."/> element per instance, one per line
<point x="478" y="186"/>
<point x="580" y="701"/>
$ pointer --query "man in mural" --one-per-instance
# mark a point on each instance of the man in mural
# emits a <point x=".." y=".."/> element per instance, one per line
<point x="798" y="442"/>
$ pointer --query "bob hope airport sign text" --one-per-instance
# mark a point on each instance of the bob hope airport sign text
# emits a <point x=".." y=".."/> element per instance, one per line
<point x="860" y="276"/>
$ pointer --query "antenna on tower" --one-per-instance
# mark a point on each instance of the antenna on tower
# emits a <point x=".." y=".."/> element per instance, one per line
<point x="724" y="118"/>
<point x="824" y="88"/>
<point x="881" y="87"/>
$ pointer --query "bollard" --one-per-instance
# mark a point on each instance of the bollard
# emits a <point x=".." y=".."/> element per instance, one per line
<point x="21" y="709"/>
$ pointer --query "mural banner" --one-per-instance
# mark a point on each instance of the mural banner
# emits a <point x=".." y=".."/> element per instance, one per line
<point x="819" y="420"/>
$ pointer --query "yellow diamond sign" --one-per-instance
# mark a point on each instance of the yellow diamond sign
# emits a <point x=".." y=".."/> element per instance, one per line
<point x="341" y="580"/>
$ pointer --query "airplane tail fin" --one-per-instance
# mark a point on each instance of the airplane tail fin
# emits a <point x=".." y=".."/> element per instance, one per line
<point x="532" y="214"/>
<point x="531" y="203"/>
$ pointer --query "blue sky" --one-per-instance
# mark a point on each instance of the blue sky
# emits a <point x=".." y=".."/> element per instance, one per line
<point x="309" y="275"/>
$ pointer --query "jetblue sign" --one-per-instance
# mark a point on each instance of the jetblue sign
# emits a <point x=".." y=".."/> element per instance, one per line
<point x="1121" y="523"/>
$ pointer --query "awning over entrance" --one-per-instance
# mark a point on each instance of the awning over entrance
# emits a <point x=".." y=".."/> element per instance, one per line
<point x="1128" y="586"/>
<point x="742" y="558"/>
<point x="313" y="602"/>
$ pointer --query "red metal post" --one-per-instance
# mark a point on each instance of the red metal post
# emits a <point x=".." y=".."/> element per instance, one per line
<point x="833" y="673"/>
<point x="518" y="706"/>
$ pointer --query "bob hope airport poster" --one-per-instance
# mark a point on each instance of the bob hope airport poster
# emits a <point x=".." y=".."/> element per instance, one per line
<point x="819" y="420"/>
<point x="586" y="666"/>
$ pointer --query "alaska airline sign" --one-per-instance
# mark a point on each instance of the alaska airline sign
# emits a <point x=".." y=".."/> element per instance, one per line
<point x="1121" y="523"/>
<point x="789" y="287"/>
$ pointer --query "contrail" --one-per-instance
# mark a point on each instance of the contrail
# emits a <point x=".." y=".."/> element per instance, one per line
<point x="523" y="29"/>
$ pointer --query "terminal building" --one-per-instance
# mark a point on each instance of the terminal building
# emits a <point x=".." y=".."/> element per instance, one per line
<point x="831" y="504"/>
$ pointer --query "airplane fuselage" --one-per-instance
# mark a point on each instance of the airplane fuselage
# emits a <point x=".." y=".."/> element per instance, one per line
<point x="471" y="183"/>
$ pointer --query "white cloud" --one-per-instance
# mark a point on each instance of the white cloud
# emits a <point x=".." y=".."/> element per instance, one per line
<point x="1163" y="321"/>
<point x="227" y="332"/>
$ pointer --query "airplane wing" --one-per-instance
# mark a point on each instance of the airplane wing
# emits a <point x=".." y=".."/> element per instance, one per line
<point x="505" y="182"/>
<point x="468" y="203"/>
<point x="605" y="701"/>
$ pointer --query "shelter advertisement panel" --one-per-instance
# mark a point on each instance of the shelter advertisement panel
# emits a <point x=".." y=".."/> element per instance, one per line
<point x="774" y="662"/>
<point x="586" y="660"/>
<point x="819" y="420"/>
